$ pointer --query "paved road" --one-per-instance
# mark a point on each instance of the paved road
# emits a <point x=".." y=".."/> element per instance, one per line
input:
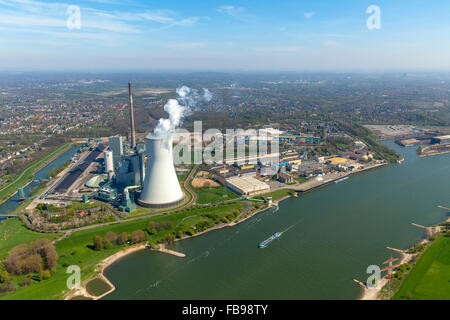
<point x="188" y="188"/>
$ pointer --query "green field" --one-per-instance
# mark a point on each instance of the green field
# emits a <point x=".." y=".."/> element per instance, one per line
<point x="213" y="195"/>
<point x="301" y="180"/>
<point x="27" y="174"/>
<point x="13" y="233"/>
<point x="430" y="277"/>
<point x="277" y="195"/>
<point x="76" y="250"/>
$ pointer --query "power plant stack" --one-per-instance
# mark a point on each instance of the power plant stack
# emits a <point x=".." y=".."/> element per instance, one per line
<point x="133" y="133"/>
<point x="161" y="188"/>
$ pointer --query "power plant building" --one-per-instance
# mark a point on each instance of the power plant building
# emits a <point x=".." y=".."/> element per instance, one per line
<point x="129" y="181"/>
<point x="130" y="171"/>
<point x="116" y="145"/>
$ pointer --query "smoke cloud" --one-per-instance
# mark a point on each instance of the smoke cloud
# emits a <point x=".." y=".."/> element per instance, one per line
<point x="180" y="108"/>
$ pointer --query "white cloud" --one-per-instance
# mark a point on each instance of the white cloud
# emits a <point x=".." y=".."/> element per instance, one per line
<point x="30" y="13"/>
<point x="309" y="15"/>
<point x="231" y="10"/>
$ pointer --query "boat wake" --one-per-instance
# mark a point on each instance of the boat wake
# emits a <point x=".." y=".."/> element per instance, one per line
<point x="266" y="242"/>
<point x="286" y="230"/>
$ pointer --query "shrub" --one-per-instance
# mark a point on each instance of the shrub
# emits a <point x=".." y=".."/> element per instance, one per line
<point x="107" y="244"/>
<point x="4" y="276"/>
<point x="111" y="237"/>
<point x="169" y="238"/>
<point x="138" y="236"/>
<point x="98" y="243"/>
<point x="123" y="238"/>
<point x="26" y="282"/>
<point x="7" y="287"/>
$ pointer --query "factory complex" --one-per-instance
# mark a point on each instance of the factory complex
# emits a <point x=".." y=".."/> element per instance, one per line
<point x="113" y="177"/>
<point x="123" y="175"/>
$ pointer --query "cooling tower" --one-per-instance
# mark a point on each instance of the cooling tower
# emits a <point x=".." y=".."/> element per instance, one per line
<point x="161" y="188"/>
<point x="109" y="163"/>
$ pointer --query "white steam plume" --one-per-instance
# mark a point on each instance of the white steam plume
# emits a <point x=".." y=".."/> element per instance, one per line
<point x="180" y="108"/>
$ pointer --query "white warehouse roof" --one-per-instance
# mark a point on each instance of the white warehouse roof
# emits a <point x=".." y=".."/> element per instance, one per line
<point x="247" y="184"/>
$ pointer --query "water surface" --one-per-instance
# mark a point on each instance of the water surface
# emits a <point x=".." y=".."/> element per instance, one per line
<point x="336" y="233"/>
<point x="13" y="203"/>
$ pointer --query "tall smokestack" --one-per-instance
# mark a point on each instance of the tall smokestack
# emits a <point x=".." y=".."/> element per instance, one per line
<point x="133" y="134"/>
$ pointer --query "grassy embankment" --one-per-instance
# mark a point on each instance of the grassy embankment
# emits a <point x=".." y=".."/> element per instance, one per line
<point x="13" y="233"/>
<point x="277" y="195"/>
<point x="27" y="174"/>
<point x="429" y="278"/>
<point x="76" y="249"/>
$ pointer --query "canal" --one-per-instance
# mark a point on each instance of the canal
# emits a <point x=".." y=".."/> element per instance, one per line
<point x="334" y="234"/>
<point x="13" y="203"/>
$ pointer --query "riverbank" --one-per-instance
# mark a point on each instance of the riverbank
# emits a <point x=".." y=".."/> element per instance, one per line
<point x="29" y="172"/>
<point x="422" y="155"/>
<point x="374" y="293"/>
<point x="105" y="263"/>
<point x="331" y="178"/>
<point x="83" y="292"/>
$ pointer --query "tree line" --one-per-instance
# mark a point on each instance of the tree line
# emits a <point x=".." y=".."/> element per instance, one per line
<point x="111" y="239"/>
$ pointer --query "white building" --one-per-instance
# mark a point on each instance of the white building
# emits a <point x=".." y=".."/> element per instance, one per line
<point x="247" y="185"/>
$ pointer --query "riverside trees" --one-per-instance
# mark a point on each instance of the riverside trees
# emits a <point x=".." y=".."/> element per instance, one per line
<point x="112" y="239"/>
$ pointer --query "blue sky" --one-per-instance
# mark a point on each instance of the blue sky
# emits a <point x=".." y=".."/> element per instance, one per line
<point x="225" y="35"/>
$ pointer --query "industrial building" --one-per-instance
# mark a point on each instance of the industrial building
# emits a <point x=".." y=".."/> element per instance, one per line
<point x="122" y="177"/>
<point x="130" y="181"/>
<point x="247" y="185"/>
<point x="116" y="145"/>
<point x="299" y="139"/>
<point x="285" y="178"/>
<point x="441" y="139"/>
<point x="131" y="170"/>
<point x="66" y="182"/>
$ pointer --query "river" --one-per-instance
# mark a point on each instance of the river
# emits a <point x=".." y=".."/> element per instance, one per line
<point x="335" y="234"/>
<point x="13" y="203"/>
